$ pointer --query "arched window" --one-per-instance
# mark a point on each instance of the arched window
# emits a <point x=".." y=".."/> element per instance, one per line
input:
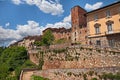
<point x="109" y="26"/>
<point x="97" y="28"/>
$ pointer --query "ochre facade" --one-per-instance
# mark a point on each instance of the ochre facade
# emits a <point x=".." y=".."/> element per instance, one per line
<point x="104" y="26"/>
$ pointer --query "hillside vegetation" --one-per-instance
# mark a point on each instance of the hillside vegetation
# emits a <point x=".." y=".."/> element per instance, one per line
<point x="12" y="60"/>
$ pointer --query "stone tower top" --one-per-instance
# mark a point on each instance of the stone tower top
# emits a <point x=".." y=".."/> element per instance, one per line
<point x="78" y="16"/>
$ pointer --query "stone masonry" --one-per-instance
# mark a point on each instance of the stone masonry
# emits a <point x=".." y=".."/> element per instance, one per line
<point x="78" y="57"/>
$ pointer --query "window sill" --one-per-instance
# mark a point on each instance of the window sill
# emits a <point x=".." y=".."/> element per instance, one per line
<point x="108" y="17"/>
<point x="96" y="20"/>
<point x="97" y="33"/>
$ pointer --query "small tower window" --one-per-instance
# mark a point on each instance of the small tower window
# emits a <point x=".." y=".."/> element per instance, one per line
<point x="108" y="13"/>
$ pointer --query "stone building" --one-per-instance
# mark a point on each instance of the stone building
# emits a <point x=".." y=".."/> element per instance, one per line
<point x="79" y="28"/>
<point x="104" y="26"/>
<point x="60" y="33"/>
<point x="98" y="27"/>
<point x="27" y="42"/>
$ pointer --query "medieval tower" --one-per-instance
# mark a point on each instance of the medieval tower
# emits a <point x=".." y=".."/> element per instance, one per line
<point x="79" y="30"/>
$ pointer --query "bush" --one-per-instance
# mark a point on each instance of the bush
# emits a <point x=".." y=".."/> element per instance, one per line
<point x="38" y="78"/>
<point x="111" y="76"/>
<point x="94" y="79"/>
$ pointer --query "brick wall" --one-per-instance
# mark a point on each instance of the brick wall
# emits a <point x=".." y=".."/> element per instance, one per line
<point x="79" y="29"/>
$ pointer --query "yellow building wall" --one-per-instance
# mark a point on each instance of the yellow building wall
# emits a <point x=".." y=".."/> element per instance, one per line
<point x="102" y="19"/>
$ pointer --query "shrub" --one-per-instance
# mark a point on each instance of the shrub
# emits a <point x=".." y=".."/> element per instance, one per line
<point x="69" y="73"/>
<point x="38" y="78"/>
<point x="94" y="79"/>
<point x="91" y="73"/>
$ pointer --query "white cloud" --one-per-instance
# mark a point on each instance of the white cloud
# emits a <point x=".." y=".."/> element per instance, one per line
<point x="52" y="7"/>
<point x="94" y="6"/>
<point x="30" y="29"/>
<point x="67" y="19"/>
<point x="7" y="24"/>
<point x="8" y="36"/>
<point x="17" y="2"/>
<point x="66" y="23"/>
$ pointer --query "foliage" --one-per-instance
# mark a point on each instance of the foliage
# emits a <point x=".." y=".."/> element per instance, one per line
<point x="59" y="50"/>
<point x="59" y="41"/>
<point x="91" y="73"/>
<point x="12" y="60"/>
<point x="38" y="43"/>
<point x="94" y="79"/>
<point x="41" y="61"/>
<point x="1" y="50"/>
<point x="69" y="73"/>
<point x="111" y="76"/>
<point x="47" y="38"/>
<point x="38" y="78"/>
<point x="85" y="76"/>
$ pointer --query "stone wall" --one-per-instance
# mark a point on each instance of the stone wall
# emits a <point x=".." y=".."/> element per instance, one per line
<point x="78" y="74"/>
<point x="78" y="57"/>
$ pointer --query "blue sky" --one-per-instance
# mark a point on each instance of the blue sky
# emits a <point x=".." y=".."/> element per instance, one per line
<point x="20" y="18"/>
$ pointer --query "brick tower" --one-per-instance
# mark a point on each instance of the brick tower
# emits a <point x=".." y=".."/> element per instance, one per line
<point x="79" y="29"/>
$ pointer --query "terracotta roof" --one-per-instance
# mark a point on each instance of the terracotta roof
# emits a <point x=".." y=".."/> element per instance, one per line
<point x="36" y="38"/>
<point x="61" y="30"/>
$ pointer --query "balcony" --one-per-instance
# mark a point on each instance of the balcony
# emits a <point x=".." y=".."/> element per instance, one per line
<point x="112" y="32"/>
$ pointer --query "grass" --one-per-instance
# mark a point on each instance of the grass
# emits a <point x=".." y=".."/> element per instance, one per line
<point x="38" y="78"/>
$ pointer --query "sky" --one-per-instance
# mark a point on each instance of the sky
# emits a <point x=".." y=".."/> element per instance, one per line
<point x="21" y="18"/>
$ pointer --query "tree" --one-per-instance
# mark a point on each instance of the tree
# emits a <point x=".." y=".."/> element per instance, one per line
<point x="47" y="38"/>
<point x="1" y="50"/>
<point x="12" y="61"/>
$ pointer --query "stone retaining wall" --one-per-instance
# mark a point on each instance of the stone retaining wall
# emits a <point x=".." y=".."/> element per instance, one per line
<point x="77" y="74"/>
<point x="78" y="57"/>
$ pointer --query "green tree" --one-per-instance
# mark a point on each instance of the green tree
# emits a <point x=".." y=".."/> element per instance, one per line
<point x="1" y="50"/>
<point x="47" y="38"/>
<point x="12" y="61"/>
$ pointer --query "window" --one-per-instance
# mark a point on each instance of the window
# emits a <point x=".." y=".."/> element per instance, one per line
<point x="80" y="26"/>
<point x="109" y="27"/>
<point x="97" y="30"/>
<point x="69" y="37"/>
<point x="108" y="14"/>
<point x="95" y="17"/>
<point x="111" y="43"/>
<point x="75" y="27"/>
<point x="75" y="39"/>
<point x="75" y="33"/>
<point x="98" y="42"/>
